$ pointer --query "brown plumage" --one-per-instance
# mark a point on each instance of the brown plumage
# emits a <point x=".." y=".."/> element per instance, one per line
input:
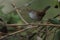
<point x="38" y="15"/>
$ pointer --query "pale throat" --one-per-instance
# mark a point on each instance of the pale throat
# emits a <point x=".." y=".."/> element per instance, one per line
<point x="33" y="15"/>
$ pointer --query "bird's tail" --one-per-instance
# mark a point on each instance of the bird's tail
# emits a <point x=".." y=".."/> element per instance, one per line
<point x="45" y="9"/>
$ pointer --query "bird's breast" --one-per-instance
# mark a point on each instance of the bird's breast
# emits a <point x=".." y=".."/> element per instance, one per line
<point x="33" y="15"/>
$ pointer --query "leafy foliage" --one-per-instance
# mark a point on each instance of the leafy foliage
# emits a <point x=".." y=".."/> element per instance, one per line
<point x="55" y="21"/>
<point x="10" y="18"/>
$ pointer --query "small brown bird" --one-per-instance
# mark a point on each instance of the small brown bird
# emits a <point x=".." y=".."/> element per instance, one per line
<point x="38" y="15"/>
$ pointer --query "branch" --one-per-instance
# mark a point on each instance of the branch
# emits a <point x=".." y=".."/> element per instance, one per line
<point x="17" y="10"/>
<point x="54" y="25"/>
<point x="58" y="25"/>
<point x="32" y="26"/>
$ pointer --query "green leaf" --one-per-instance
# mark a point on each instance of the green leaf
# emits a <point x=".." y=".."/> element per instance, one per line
<point x="55" y="21"/>
<point x="57" y="36"/>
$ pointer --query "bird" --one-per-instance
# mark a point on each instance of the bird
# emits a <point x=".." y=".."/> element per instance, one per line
<point x="4" y="29"/>
<point x="38" y="15"/>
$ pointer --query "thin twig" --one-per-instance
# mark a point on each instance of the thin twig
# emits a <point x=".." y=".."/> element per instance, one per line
<point x="17" y="10"/>
<point x="54" y="25"/>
